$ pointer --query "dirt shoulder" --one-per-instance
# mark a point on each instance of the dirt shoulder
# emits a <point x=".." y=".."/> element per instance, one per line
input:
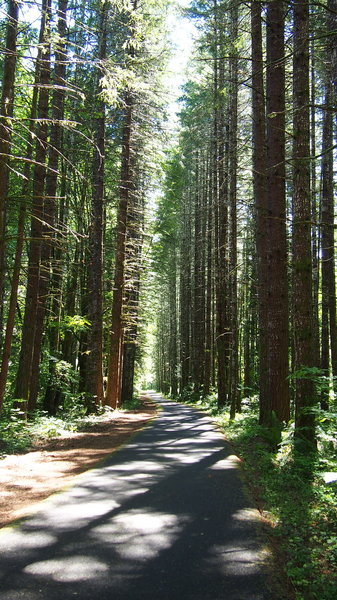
<point x="26" y="479"/>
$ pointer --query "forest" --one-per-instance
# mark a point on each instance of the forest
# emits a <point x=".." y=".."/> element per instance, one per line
<point x="194" y="257"/>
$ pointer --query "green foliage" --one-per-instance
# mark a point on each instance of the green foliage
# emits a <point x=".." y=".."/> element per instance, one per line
<point x="208" y="403"/>
<point x="65" y="378"/>
<point x="131" y="404"/>
<point x="17" y="434"/>
<point x="313" y="373"/>
<point x="189" y="395"/>
<point x="14" y="432"/>
<point x="75" y="323"/>
<point x="302" y="506"/>
<point x="45" y="427"/>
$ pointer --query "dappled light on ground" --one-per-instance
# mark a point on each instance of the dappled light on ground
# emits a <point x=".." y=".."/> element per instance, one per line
<point x="164" y="517"/>
<point x="69" y="569"/>
<point x="52" y="464"/>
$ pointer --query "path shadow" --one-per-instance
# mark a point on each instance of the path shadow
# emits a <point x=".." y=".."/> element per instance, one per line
<point x="164" y="518"/>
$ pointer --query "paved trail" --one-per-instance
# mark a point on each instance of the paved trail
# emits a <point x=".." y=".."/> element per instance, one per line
<point x="163" y="519"/>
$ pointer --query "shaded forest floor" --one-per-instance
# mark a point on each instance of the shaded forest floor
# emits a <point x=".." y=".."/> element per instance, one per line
<point x="50" y="465"/>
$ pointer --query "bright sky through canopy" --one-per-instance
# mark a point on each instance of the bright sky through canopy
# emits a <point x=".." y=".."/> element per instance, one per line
<point x="182" y="33"/>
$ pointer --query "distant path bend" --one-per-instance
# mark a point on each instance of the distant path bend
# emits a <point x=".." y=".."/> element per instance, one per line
<point x="164" y="518"/>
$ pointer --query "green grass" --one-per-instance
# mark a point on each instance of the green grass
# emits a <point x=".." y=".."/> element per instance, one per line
<point x="299" y="505"/>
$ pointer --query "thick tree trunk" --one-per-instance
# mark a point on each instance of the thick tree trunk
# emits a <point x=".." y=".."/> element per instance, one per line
<point x="302" y="263"/>
<point x="277" y="324"/>
<point x="7" y="101"/>
<point x="220" y="199"/>
<point x="48" y="233"/>
<point x="260" y="203"/>
<point x="116" y="338"/>
<point x="315" y="211"/>
<point x="327" y="245"/>
<point x="233" y="161"/>
<point x="329" y="326"/>
<point x="209" y="285"/>
<point x="134" y="246"/>
<point x="29" y="326"/>
<point x="129" y="360"/>
<point x="94" y="384"/>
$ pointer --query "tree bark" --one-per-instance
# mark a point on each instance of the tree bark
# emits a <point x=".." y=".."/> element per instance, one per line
<point x="234" y="398"/>
<point x="18" y="249"/>
<point x="302" y="261"/>
<point x="23" y="377"/>
<point x="185" y="295"/>
<point x="49" y="209"/>
<point x="260" y="203"/>
<point x="7" y="102"/>
<point x="198" y="292"/>
<point x="277" y="318"/>
<point x="94" y="383"/>
<point x="329" y="325"/>
<point x="209" y="284"/>
<point x="220" y="199"/>
<point x="134" y="245"/>
<point x="116" y="338"/>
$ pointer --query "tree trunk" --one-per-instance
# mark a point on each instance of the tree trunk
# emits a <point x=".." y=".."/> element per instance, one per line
<point x="198" y="291"/>
<point x="53" y="393"/>
<point x="314" y="210"/>
<point x="31" y="306"/>
<point x="116" y="338"/>
<point x="234" y="398"/>
<point x="94" y="384"/>
<point x="302" y="263"/>
<point x="260" y="203"/>
<point x="49" y="209"/>
<point x="277" y="323"/>
<point x="7" y="100"/>
<point x="329" y="328"/>
<point x="18" y="250"/>
<point x="174" y="328"/>
<point x="134" y="246"/>
<point x="209" y="285"/>
<point x="220" y="199"/>
<point x="185" y="295"/>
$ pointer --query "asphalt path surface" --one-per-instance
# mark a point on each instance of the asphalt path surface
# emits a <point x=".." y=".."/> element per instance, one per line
<point x="164" y="518"/>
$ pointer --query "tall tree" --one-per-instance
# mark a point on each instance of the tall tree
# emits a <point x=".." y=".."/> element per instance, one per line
<point x="23" y="379"/>
<point x="220" y="199"/>
<point x="50" y="202"/>
<point x="260" y="199"/>
<point x="329" y="322"/>
<point x="134" y="244"/>
<point x="94" y="383"/>
<point x="302" y="264"/>
<point x="277" y="315"/>
<point x="115" y="367"/>
<point x="6" y="108"/>
<point x="234" y="397"/>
